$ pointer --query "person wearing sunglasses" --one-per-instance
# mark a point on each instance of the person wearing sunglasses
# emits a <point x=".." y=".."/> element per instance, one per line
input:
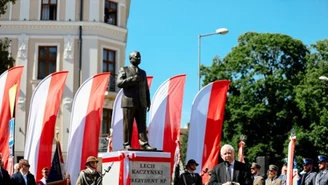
<point x="23" y="176"/>
<point x="256" y="177"/>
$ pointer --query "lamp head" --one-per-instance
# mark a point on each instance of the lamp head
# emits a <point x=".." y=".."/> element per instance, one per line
<point x="222" y="31"/>
<point x="323" y="78"/>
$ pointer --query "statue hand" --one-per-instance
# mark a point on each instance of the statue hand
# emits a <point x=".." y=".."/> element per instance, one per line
<point x="135" y="78"/>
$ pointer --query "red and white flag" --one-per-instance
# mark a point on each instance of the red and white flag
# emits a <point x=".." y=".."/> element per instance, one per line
<point x="8" y="79"/>
<point x="165" y="115"/>
<point x="117" y="123"/>
<point x="241" y="151"/>
<point x="44" y="107"/>
<point x="206" y="124"/>
<point x="87" y="108"/>
<point x="110" y="142"/>
<point x="290" y="165"/>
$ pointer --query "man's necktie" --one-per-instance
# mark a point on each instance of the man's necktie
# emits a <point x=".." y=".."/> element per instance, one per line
<point x="228" y="173"/>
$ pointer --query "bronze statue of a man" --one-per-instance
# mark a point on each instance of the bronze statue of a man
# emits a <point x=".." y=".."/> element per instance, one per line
<point x="135" y="101"/>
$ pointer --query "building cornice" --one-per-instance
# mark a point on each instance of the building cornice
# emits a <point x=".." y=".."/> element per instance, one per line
<point x="60" y="25"/>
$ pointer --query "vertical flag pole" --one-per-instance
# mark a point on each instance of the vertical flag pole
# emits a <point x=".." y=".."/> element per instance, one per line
<point x="290" y="164"/>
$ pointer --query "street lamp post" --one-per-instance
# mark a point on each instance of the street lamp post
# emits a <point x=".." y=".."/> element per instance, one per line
<point x="220" y="31"/>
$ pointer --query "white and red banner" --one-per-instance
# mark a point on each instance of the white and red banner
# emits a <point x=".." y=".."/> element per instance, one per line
<point x="117" y="123"/>
<point x="241" y="151"/>
<point x="8" y="79"/>
<point x="44" y="106"/>
<point x="205" y="126"/>
<point x="290" y="160"/>
<point x="84" y="130"/>
<point x="165" y="115"/>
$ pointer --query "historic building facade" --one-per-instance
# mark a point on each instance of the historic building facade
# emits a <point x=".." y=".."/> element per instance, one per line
<point x="84" y="37"/>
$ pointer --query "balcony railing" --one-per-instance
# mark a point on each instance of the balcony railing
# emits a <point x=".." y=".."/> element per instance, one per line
<point x="103" y="144"/>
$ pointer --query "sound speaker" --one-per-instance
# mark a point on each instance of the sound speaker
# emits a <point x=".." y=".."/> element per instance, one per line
<point x="264" y="163"/>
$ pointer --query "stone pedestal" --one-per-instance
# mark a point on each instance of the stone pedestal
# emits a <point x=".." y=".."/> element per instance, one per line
<point x="136" y="168"/>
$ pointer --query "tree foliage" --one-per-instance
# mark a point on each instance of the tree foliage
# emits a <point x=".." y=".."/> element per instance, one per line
<point x="4" y="6"/>
<point x="6" y="61"/>
<point x="184" y="145"/>
<point x="274" y="88"/>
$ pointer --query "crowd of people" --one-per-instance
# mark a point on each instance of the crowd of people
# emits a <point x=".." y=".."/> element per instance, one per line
<point x="233" y="172"/>
<point x="228" y="172"/>
<point x="22" y="175"/>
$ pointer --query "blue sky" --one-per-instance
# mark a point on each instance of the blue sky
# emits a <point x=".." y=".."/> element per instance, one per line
<point x="166" y="32"/>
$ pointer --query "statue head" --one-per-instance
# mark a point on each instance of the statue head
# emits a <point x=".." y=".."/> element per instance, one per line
<point x="135" y="58"/>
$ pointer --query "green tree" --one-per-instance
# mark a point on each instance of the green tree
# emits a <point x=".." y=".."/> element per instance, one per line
<point x="6" y="61"/>
<point x="263" y="69"/>
<point x="184" y="146"/>
<point x="312" y="100"/>
<point x="4" y="6"/>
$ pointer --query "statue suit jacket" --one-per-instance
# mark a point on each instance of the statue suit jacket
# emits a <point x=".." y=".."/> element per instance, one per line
<point x="135" y="94"/>
<point x="258" y="180"/>
<point x="18" y="179"/>
<point x="241" y="175"/>
<point x="4" y="178"/>
<point x="321" y="178"/>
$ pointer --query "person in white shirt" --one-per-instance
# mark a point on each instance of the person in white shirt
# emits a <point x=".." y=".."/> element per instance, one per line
<point x="45" y="174"/>
<point x="23" y="177"/>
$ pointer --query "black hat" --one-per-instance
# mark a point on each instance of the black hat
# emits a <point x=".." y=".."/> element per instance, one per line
<point x="192" y="161"/>
<point x="322" y="158"/>
<point x="307" y="161"/>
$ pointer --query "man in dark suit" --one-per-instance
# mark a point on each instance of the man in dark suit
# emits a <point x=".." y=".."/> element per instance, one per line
<point x="23" y="176"/>
<point x="309" y="175"/>
<point x="230" y="171"/>
<point x="135" y="101"/>
<point x="4" y="175"/>
<point x="322" y="176"/>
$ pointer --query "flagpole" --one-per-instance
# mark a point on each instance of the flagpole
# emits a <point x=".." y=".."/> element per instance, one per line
<point x="290" y="164"/>
<point x="57" y="134"/>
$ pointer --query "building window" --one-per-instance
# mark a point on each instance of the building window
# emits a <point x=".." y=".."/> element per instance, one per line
<point x="110" y="16"/>
<point x="105" y="130"/>
<point x="109" y="61"/>
<point x="106" y="121"/>
<point x="49" y="10"/>
<point x="47" y="61"/>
